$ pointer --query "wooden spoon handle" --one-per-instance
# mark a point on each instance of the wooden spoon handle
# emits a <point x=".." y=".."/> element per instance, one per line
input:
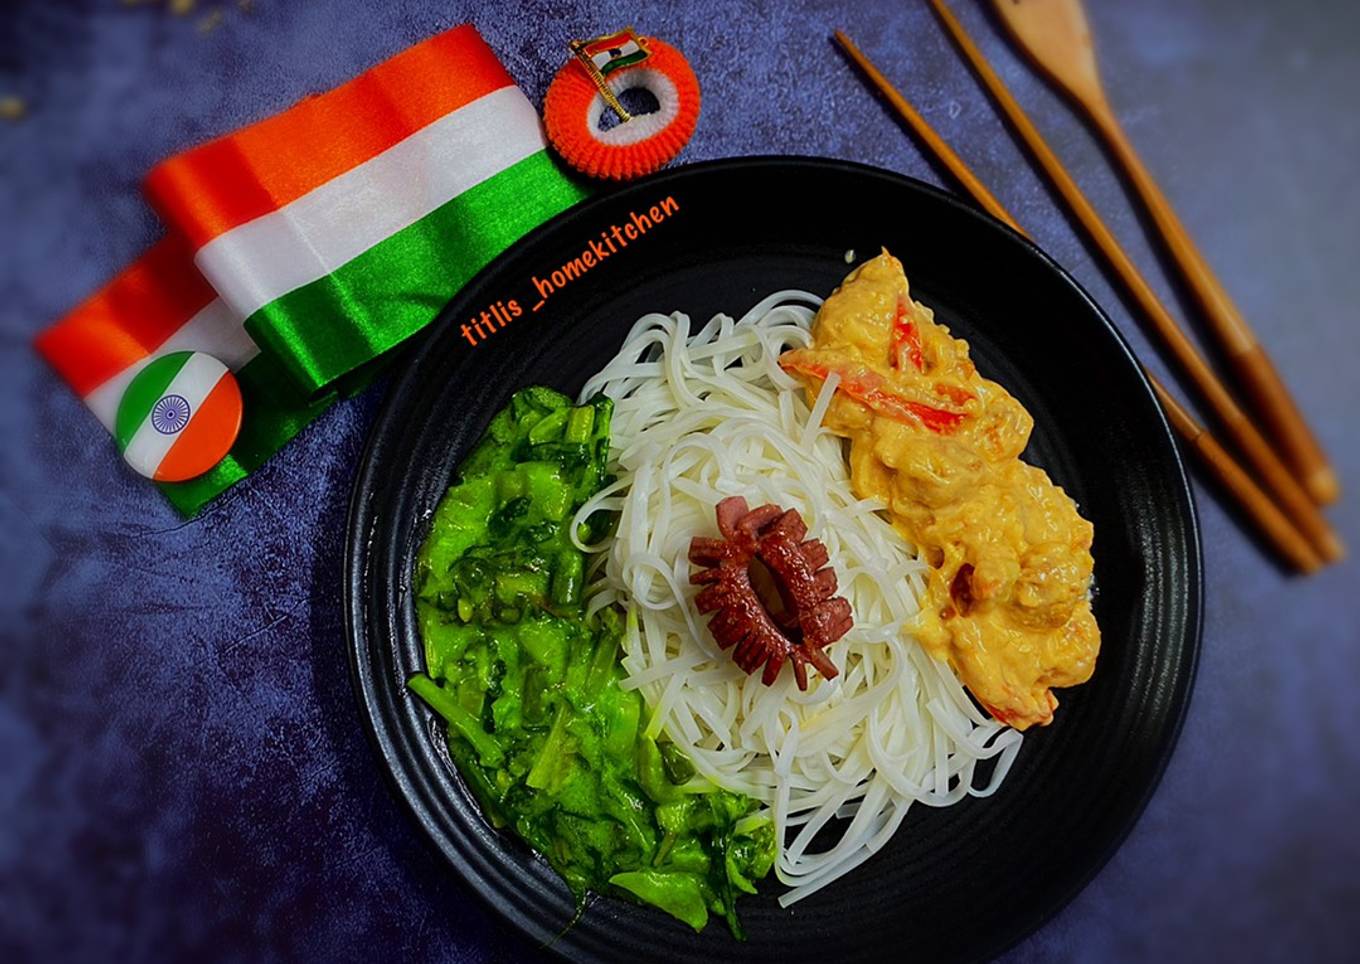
<point x="1249" y="362"/>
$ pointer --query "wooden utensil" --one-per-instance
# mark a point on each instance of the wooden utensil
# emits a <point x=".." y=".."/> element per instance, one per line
<point x="1270" y="521"/>
<point x="1055" y="36"/>
<point x="1297" y="504"/>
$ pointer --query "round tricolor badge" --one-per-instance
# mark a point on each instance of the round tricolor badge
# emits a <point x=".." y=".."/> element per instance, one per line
<point x="179" y="416"/>
<point x="591" y="83"/>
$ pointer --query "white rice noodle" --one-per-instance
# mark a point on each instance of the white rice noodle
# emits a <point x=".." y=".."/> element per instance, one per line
<point x="703" y="415"/>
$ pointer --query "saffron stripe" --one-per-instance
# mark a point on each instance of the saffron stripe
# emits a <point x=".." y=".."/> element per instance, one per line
<point x="127" y="319"/>
<point x="320" y="232"/>
<point x="207" y="191"/>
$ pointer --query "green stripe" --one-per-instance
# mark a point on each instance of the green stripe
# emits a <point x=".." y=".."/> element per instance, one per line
<point x="334" y="325"/>
<point x="627" y="60"/>
<point x="145" y="391"/>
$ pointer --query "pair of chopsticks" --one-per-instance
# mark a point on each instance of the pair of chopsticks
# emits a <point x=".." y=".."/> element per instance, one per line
<point x="1283" y="511"/>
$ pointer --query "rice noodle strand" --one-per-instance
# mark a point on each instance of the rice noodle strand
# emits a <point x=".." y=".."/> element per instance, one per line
<point x="703" y="415"/>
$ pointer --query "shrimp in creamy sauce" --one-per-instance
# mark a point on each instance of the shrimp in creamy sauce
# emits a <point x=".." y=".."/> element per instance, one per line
<point x="1008" y="593"/>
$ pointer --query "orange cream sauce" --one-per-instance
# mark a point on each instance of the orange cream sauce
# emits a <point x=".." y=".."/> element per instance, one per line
<point x="1007" y="601"/>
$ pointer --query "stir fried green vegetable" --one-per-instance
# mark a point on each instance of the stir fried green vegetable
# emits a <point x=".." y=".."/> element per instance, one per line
<point x="538" y="724"/>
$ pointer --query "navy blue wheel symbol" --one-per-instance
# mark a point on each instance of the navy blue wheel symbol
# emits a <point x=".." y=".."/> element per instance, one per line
<point x="170" y="414"/>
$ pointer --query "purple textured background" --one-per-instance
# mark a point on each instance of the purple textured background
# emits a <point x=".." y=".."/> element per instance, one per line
<point x="182" y="773"/>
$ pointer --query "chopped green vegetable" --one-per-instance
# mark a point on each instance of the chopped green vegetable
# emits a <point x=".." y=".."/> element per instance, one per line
<point x="678" y="894"/>
<point x="539" y="726"/>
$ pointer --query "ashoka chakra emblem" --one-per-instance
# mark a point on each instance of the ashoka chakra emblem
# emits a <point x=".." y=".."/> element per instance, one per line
<point x="170" y="414"/>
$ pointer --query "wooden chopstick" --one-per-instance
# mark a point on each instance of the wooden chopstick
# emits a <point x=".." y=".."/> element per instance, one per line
<point x="1253" y="367"/>
<point x="936" y="144"/>
<point x="1270" y="521"/>
<point x="1259" y="507"/>
<point x="1279" y="480"/>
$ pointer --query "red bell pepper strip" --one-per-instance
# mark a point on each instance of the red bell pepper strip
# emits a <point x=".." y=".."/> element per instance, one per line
<point x="959" y="396"/>
<point x="866" y="387"/>
<point x="906" y="343"/>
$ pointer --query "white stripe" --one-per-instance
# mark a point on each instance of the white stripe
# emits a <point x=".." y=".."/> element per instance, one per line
<point x="214" y="329"/>
<point x="624" y="49"/>
<point x="642" y="126"/>
<point x="261" y="260"/>
<point x="194" y="381"/>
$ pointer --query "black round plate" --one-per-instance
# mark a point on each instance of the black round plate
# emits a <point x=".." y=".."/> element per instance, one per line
<point x="958" y="883"/>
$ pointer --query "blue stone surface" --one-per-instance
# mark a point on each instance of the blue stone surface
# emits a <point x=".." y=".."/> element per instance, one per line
<point x="182" y="771"/>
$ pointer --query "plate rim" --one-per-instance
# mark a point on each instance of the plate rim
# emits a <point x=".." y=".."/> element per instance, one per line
<point x="360" y="518"/>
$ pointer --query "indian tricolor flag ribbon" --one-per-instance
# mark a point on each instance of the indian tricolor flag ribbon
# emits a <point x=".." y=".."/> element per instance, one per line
<point x="338" y="228"/>
<point x="157" y="307"/>
<point x="305" y="246"/>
